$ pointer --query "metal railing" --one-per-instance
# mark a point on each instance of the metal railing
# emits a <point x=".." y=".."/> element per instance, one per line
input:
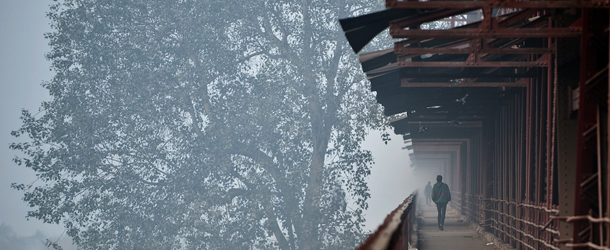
<point x="525" y="224"/>
<point x="396" y="230"/>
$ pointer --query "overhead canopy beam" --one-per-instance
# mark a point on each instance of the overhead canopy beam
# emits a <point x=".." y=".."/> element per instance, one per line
<point x="463" y="83"/>
<point x="498" y="4"/>
<point x="398" y="32"/>
<point x="469" y="50"/>
<point x="477" y="64"/>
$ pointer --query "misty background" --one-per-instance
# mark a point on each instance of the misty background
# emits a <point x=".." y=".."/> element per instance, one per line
<point x="23" y="68"/>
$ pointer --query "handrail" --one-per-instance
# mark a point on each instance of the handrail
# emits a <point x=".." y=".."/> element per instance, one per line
<point x="395" y="232"/>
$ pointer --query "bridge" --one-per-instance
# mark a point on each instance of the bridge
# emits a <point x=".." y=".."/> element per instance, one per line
<point x="509" y="101"/>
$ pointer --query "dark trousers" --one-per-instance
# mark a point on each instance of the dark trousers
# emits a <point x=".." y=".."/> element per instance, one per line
<point x="442" y="209"/>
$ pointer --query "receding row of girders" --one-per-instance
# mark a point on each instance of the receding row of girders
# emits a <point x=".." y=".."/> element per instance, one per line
<point x="507" y="180"/>
<point x="529" y="224"/>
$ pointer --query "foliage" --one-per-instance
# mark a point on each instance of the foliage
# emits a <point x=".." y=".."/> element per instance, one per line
<point x="201" y="124"/>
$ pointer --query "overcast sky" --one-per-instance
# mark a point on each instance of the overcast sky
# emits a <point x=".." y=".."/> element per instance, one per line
<point x="23" y="68"/>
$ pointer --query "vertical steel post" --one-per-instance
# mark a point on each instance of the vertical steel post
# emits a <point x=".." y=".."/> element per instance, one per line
<point x="549" y="128"/>
<point x="608" y="148"/>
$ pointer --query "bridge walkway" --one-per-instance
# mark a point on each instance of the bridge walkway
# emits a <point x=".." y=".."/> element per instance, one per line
<point x="458" y="234"/>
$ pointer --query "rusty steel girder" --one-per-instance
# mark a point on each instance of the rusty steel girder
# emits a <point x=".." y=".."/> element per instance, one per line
<point x="397" y="32"/>
<point x="498" y="4"/>
<point x="592" y="161"/>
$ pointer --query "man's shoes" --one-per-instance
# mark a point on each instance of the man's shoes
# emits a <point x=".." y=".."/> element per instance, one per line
<point x="441" y="228"/>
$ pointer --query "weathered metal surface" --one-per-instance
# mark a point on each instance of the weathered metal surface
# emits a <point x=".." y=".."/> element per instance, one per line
<point x="407" y="83"/>
<point x="466" y="64"/>
<point x="592" y="106"/>
<point x="470" y="50"/>
<point x="535" y="170"/>
<point x="396" y="230"/>
<point x="397" y="32"/>
<point x="504" y="4"/>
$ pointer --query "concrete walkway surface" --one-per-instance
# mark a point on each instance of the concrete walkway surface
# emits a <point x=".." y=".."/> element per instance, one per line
<point x="457" y="233"/>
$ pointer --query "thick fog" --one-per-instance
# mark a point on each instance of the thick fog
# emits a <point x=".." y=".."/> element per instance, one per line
<point x="23" y="68"/>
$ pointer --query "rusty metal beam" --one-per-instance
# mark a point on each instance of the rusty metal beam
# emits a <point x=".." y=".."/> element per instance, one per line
<point x="397" y="32"/>
<point x="589" y="191"/>
<point x="429" y="17"/>
<point x="498" y="4"/>
<point x="607" y="166"/>
<point x="480" y="64"/>
<point x="456" y="73"/>
<point x="407" y="83"/>
<point x="516" y="51"/>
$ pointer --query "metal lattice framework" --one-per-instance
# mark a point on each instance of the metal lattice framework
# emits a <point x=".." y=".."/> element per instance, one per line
<point x="511" y="102"/>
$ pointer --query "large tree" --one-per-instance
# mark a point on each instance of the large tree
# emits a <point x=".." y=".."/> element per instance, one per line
<point x="201" y="124"/>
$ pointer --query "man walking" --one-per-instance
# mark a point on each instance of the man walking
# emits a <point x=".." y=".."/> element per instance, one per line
<point x="428" y="192"/>
<point x="441" y="196"/>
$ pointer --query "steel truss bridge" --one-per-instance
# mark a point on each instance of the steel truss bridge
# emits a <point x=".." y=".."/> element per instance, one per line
<point x="509" y="101"/>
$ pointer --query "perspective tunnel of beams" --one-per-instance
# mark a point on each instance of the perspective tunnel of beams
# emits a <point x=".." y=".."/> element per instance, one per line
<point x="445" y="83"/>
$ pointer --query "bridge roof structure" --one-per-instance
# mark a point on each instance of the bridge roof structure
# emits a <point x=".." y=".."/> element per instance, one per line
<point x="444" y="83"/>
<point x="509" y="100"/>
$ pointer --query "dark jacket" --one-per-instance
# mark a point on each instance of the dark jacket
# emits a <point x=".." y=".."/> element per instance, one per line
<point x="441" y="193"/>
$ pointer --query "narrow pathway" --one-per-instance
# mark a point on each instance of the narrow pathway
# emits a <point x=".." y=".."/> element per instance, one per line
<point x="457" y="234"/>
